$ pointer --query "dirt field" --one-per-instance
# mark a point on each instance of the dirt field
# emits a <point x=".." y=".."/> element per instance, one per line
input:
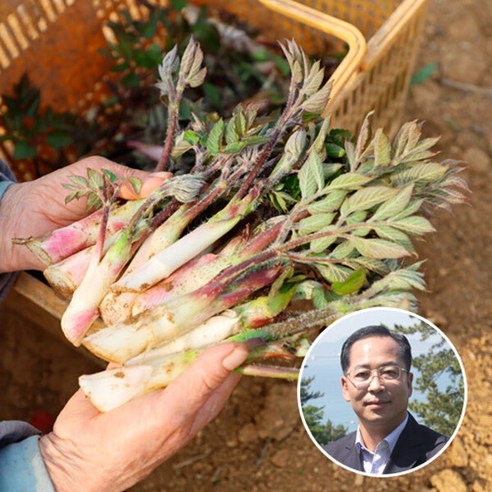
<point x="258" y="442"/>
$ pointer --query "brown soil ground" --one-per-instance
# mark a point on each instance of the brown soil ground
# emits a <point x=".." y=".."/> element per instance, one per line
<point x="258" y="442"/>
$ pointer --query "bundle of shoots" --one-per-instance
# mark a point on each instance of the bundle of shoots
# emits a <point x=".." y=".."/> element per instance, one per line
<point x="277" y="212"/>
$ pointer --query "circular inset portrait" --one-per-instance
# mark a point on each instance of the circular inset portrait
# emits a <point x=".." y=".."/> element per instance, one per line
<point x="382" y="392"/>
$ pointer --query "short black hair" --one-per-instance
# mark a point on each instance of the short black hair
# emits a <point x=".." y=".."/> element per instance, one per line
<point x="376" y="331"/>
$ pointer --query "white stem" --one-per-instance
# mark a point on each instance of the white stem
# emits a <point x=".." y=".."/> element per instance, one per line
<point x="125" y="340"/>
<point x="161" y="265"/>
<point x="110" y="389"/>
<point x="82" y="310"/>
<point x="165" y="235"/>
<point x="214" y="330"/>
<point x="191" y="276"/>
<point x="116" y="307"/>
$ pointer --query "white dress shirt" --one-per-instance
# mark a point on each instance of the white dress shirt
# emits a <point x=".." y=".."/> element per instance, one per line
<point x="375" y="463"/>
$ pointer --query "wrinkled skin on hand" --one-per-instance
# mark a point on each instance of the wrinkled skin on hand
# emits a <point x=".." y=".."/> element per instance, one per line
<point x="89" y="450"/>
<point x="92" y="451"/>
<point x="35" y="208"/>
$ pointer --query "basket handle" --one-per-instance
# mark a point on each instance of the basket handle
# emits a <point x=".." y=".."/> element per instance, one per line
<point x="345" y="31"/>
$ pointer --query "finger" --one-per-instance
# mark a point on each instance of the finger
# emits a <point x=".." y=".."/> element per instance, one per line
<point x="78" y="409"/>
<point x="149" y="183"/>
<point x="191" y="391"/>
<point x="215" y="402"/>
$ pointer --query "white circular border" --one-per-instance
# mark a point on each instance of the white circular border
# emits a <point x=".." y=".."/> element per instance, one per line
<point x="465" y="387"/>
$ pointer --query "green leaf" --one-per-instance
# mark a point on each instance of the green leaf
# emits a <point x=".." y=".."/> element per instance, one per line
<point x="329" y="203"/>
<point x="379" y="248"/>
<point x="382" y="149"/>
<point x="180" y="147"/>
<point x="394" y="205"/>
<point x="322" y="244"/>
<point x="256" y="140"/>
<point x="110" y="175"/>
<point x="33" y="105"/>
<point x="394" y="235"/>
<point x="281" y="293"/>
<point x="356" y="217"/>
<point x="280" y="199"/>
<point x="330" y="170"/>
<point x="349" y="181"/>
<point x="148" y="29"/>
<point x="362" y="140"/>
<point x="333" y="273"/>
<point x="70" y="197"/>
<point x="314" y="223"/>
<point x="93" y="202"/>
<point x="231" y="134"/>
<point x="79" y="180"/>
<point x="314" y="79"/>
<point x="120" y="67"/>
<point x="23" y="150"/>
<point x="149" y="58"/>
<point x="214" y="139"/>
<point x="95" y="180"/>
<point x="58" y="139"/>
<point x="368" y="197"/>
<point x="403" y="136"/>
<point x="131" y="81"/>
<point x="352" y="284"/>
<point x="197" y="79"/>
<point x="319" y="142"/>
<point x="314" y="162"/>
<point x="136" y="184"/>
<point x="191" y="137"/>
<point x="343" y="250"/>
<point x="178" y="5"/>
<point x="317" y="102"/>
<point x="414" y="225"/>
<point x="362" y="231"/>
<point x="305" y="290"/>
<point x="412" y="208"/>
<point x="235" y="147"/>
<point x="334" y="151"/>
<point x="371" y="264"/>
<point x="419" y="173"/>
<point x="311" y="177"/>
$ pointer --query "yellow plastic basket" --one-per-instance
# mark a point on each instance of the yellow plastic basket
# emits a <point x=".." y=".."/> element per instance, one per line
<point x="57" y="42"/>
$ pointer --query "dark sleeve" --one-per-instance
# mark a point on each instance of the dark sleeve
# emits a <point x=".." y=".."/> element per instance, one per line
<point x="6" y="179"/>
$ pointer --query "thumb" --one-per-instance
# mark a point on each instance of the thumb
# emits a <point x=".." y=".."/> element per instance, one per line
<point x="207" y="377"/>
<point x="149" y="183"/>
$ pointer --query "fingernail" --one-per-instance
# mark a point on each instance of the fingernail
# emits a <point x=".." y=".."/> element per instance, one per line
<point x="235" y="358"/>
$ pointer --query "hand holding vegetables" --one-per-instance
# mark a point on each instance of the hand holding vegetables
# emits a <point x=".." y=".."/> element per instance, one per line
<point x="93" y="451"/>
<point x="276" y="208"/>
<point x="115" y="449"/>
<point x="37" y="208"/>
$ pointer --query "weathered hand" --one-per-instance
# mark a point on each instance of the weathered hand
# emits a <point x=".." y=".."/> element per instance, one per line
<point x="38" y="207"/>
<point x="93" y="451"/>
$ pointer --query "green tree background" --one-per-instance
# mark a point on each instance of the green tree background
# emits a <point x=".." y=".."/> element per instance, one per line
<point x="323" y="431"/>
<point x="441" y="409"/>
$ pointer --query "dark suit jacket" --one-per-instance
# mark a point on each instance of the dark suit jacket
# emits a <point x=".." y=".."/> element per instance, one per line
<point x="416" y="445"/>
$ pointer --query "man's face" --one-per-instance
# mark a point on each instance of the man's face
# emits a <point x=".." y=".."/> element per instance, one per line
<point x="380" y="403"/>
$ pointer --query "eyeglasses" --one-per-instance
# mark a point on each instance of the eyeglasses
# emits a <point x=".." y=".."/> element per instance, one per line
<point x="362" y="378"/>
